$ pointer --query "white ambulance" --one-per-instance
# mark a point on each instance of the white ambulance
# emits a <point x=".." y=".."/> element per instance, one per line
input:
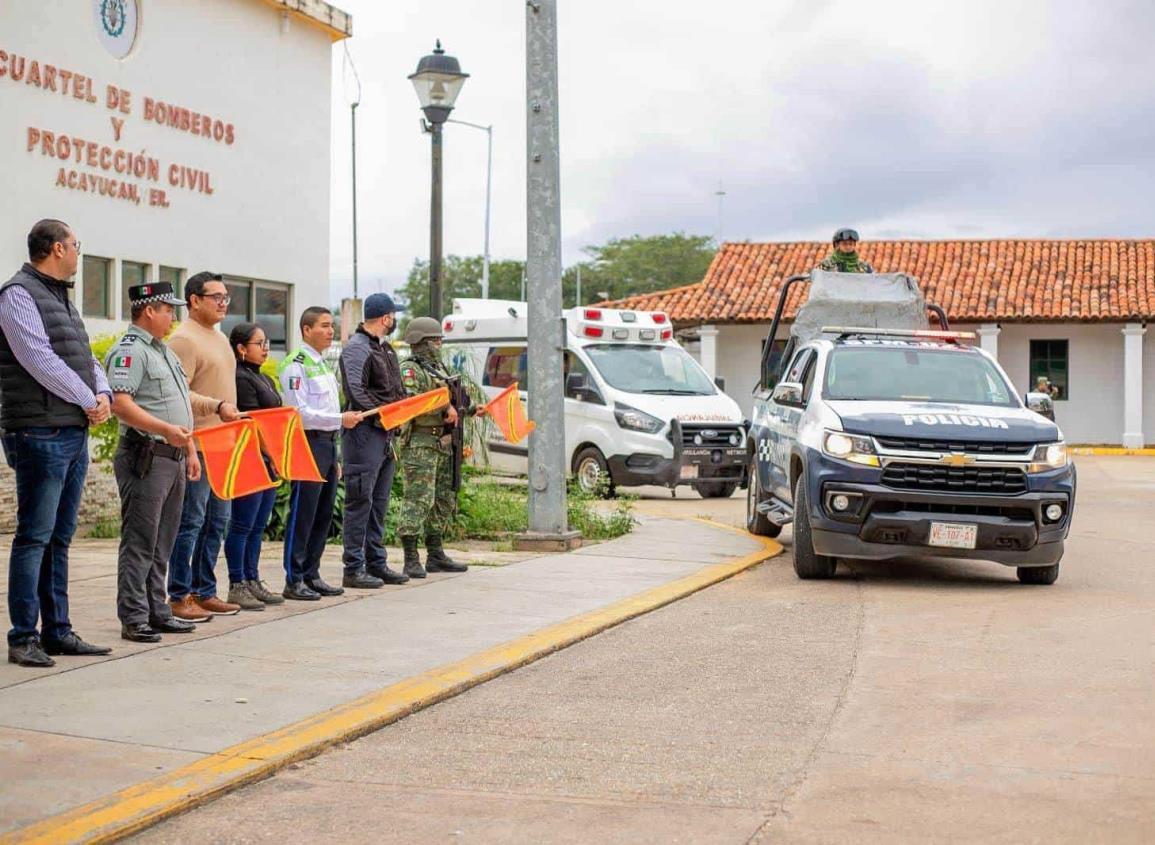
<point x="638" y="408"/>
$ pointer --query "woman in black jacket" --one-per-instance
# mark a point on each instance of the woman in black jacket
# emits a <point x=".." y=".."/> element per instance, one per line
<point x="250" y="514"/>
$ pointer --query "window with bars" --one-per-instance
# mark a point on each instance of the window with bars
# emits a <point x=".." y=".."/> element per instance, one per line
<point x="96" y="299"/>
<point x="1050" y="368"/>
<point x="132" y="273"/>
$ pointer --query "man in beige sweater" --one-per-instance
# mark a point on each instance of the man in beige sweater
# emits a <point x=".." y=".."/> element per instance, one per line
<point x="211" y="369"/>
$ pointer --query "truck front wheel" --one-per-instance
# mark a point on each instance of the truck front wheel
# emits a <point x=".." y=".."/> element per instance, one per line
<point x="807" y="564"/>
<point x="1038" y="574"/>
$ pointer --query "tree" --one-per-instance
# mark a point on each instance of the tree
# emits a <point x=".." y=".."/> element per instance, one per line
<point x="460" y="277"/>
<point x="627" y="266"/>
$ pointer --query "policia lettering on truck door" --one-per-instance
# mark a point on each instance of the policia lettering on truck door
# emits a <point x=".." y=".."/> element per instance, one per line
<point x="432" y="454"/>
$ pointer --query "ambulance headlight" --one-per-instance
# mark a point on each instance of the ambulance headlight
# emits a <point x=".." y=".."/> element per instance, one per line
<point x="635" y="420"/>
<point x="850" y="447"/>
<point x="1049" y="456"/>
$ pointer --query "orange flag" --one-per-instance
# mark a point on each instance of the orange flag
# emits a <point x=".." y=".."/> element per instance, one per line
<point x="402" y="411"/>
<point x="232" y="459"/>
<point x="505" y="410"/>
<point x="283" y="438"/>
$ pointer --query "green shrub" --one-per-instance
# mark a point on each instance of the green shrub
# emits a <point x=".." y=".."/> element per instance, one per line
<point x="585" y="513"/>
<point x="105" y="528"/>
<point x="104" y="436"/>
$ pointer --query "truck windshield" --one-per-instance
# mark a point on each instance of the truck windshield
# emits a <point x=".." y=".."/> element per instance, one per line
<point x="906" y="374"/>
<point x="641" y="368"/>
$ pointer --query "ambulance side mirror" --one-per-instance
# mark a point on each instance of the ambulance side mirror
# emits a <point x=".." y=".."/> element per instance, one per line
<point x="720" y="382"/>
<point x="577" y="386"/>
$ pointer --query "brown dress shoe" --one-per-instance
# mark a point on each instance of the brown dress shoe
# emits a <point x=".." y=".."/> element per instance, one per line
<point x="217" y="607"/>
<point x="188" y="610"/>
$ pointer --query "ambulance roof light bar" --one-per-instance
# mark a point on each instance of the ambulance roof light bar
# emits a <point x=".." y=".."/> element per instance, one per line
<point x="914" y="334"/>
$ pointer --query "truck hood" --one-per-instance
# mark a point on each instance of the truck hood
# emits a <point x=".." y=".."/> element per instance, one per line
<point x="718" y="408"/>
<point x="939" y="420"/>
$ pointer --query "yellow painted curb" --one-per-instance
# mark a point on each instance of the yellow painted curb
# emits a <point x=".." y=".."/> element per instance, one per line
<point x="138" y="807"/>
<point x="1111" y="450"/>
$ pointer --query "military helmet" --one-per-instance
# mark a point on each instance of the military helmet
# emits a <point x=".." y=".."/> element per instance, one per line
<point x="845" y="235"/>
<point x="421" y="329"/>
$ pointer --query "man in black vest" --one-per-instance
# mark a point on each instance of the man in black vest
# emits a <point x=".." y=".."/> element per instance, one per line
<point x="51" y="390"/>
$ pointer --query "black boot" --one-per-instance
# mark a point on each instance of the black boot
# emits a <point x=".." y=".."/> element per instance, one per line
<point x="413" y="567"/>
<point x="437" y="561"/>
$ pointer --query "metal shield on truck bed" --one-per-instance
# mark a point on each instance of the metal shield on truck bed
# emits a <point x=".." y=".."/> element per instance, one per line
<point x="867" y="300"/>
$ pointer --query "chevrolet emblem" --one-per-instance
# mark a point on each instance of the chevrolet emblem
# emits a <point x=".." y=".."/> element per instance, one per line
<point x="957" y="459"/>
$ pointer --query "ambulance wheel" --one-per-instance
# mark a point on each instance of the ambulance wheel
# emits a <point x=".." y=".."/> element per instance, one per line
<point x="593" y="473"/>
<point x="757" y="523"/>
<point x="1038" y="574"/>
<point x="807" y="563"/>
<point x="717" y="490"/>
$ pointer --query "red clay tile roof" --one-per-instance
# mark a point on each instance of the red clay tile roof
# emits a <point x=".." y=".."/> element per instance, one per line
<point x="975" y="281"/>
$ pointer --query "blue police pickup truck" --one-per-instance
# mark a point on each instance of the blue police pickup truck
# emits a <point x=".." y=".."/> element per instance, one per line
<point x="882" y="443"/>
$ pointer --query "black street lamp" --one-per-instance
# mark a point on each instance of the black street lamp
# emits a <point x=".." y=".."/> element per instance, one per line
<point x="438" y="81"/>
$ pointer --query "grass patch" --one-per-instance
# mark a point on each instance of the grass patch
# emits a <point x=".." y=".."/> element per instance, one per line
<point x="105" y="528"/>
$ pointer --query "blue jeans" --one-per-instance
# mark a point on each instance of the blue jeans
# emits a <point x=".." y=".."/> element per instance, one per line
<point x="50" y="465"/>
<point x="246" y="530"/>
<point x="203" y="521"/>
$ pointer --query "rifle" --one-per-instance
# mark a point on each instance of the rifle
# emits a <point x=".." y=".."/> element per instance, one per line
<point x="459" y="399"/>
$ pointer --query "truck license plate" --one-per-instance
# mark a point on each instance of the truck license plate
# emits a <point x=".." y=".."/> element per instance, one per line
<point x="952" y="535"/>
<point x="690" y="471"/>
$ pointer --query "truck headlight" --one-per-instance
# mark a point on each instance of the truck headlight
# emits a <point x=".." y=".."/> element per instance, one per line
<point x="636" y="420"/>
<point x="850" y="447"/>
<point x="1049" y="456"/>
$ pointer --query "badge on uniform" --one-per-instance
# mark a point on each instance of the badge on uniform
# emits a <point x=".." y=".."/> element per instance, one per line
<point x="122" y="361"/>
<point x="294" y="382"/>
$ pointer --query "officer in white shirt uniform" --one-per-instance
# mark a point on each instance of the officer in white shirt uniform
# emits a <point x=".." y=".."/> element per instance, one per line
<point x="309" y="385"/>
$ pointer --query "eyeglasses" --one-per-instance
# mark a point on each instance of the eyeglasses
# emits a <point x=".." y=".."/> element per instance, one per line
<point x="218" y="298"/>
<point x="264" y="344"/>
<point x="75" y="244"/>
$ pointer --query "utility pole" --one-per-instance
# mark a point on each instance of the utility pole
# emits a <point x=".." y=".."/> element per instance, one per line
<point x="546" y="329"/>
<point x="578" y="299"/>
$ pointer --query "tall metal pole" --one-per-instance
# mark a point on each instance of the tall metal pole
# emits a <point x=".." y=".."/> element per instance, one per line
<point x="578" y="298"/>
<point x="353" y="114"/>
<point x="488" y="188"/>
<point x="547" y="471"/>
<point x="435" y="228"/>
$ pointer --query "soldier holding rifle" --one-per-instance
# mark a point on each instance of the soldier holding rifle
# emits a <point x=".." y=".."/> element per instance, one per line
<point x="434" y="450"/>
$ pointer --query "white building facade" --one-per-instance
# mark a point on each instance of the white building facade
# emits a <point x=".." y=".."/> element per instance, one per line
<point x="1108" y="397"/>
<point x="173" y="137"/>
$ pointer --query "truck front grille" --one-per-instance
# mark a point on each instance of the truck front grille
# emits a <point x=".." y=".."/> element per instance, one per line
<point x="1000" y="480"/>
<point x="977" y="447"/>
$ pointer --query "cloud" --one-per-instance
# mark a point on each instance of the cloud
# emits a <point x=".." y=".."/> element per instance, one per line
<point x="932" y="120"/>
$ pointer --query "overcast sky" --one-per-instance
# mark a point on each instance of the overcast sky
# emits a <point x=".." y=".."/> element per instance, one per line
<point x="905" y="119"/>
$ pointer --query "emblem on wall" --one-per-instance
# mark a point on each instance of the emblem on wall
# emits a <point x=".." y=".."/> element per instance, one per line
<point x="116" y="25"/>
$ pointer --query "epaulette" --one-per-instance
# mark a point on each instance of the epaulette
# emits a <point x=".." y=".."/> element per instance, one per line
<point x="300" y="359"/>
<point x="128" y="340"/>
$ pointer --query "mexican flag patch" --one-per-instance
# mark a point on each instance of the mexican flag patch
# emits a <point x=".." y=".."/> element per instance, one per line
<point x="294" y="382"/>
<point x="122" y="361"/>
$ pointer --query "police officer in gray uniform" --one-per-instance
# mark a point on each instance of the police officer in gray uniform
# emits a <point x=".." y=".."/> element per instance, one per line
<point x="154" y="457"/>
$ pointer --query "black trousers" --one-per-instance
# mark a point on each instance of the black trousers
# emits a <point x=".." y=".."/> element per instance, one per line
<point x="311" y="512"/>
<point x="367" y="455"/>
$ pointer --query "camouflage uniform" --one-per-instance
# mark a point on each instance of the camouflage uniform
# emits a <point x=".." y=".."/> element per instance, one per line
<point x="842" y="262"/>
<point x="426" y="461"/>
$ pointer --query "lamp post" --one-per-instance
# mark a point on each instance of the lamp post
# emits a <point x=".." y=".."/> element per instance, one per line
<point x="437" y="80"/>
<point x="488" y="130"/>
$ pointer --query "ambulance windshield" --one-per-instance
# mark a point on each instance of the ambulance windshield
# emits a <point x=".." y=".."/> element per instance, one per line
<point x="908" y="374"/>
<point x="648" y="368"/>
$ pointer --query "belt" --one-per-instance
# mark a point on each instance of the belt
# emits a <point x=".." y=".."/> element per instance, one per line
<point x="166" y="451"/>
<point x="320" y="435"/>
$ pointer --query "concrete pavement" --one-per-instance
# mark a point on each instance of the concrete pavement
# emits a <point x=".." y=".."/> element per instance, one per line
<point x="201" y="706"/>
<point x="939" y="702"/>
